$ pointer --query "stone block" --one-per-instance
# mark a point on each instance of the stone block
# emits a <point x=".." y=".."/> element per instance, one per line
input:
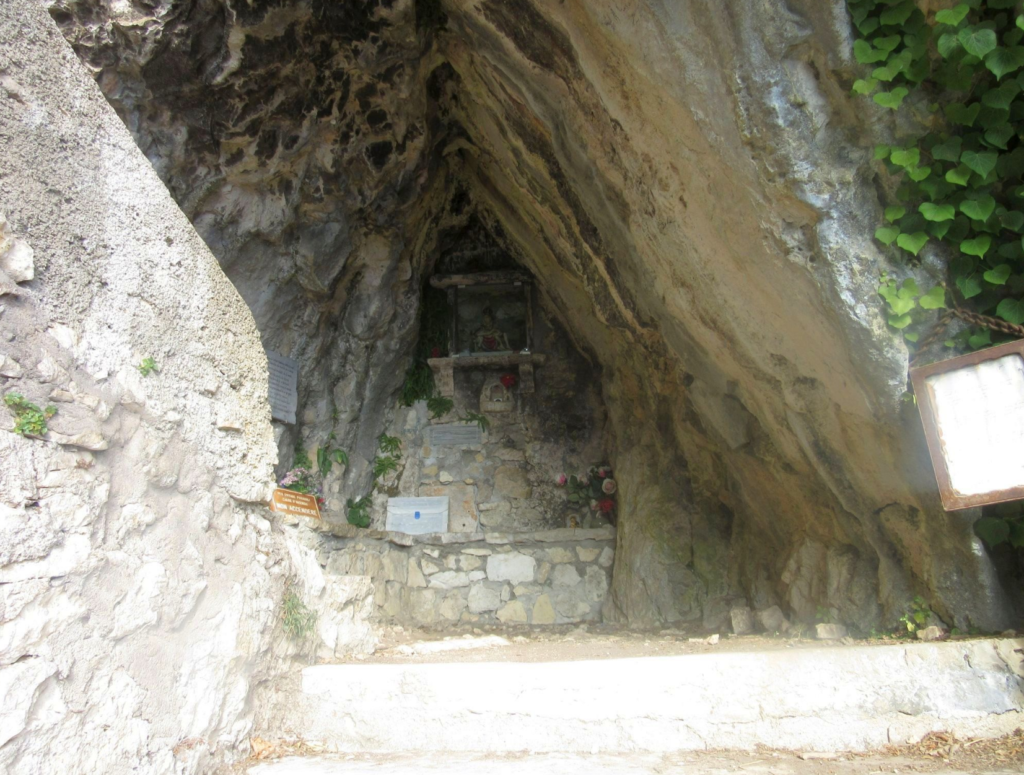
<point x="595" y="584"/>
<point x="449" y="580"/>
<point x="395" y="566"/>
<point x="462" y="512"/>
<point x="512" y="613"/>
<point x="484" y="598"/>
<point x="825" y="631"/>
<point x="587" y="554"/>
<point x="414" y="576"/>
<point x="558" y="554"/>
<point x="566" y="576"/>
<point x="423" y="606"/>
<point x="773" y="620"/>
<point x="511" y="566"/>
<point x="742" y="620"/>
<point x="932" y="633"/>
<point x="512" y="482"/>
<point x="429" y="568"/>
<point x="453" y="605"/>
<point x="478" y="551"/>
<point x="543" y="572"/>
<point x="567" y="603"/>
<point x="543" y="611"/>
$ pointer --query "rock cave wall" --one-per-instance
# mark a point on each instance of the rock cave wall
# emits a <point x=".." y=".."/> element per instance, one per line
<point x="690" y="184"/>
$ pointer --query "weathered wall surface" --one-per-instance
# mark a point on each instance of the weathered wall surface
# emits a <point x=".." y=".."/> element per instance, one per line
<point x="688" y="183"/>
<point x="138" y="582"/>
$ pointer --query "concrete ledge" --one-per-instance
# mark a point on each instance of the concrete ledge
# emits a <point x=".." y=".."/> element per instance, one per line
<point x="856" y="698"/>
<point x="559" y="535"/>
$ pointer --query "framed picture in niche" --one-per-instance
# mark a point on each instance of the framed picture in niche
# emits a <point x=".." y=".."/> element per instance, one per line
<point x="492" y="319"/>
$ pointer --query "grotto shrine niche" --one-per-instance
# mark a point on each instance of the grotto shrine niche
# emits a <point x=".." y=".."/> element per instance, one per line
<point x="491" y="326"/>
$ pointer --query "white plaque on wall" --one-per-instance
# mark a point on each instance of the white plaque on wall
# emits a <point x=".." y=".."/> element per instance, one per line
<point x="973" y="413"/>
<point x="284" y="387"/>
<point x="417" y="516"/>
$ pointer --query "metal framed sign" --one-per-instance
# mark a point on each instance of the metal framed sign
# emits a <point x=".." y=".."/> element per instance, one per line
<point x="972" y="408"/>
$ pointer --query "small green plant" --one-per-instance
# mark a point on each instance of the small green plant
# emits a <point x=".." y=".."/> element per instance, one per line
<point x="384" y="465"/>
<point x="1002" y="524"/>
<point x="358" y="511"/>
<point x="326" y="457"/>
<point x="918" y="616"/>
<point x="29" y="419"/>
<point x="823" y="615"/>
<point x="390" y="445"/>
<point x="298" y="620"/>
<point x="439" y="406"/>
<point x="478" y="418"/>
<point x="302" y="457"/>
<point x="147" y="367"/>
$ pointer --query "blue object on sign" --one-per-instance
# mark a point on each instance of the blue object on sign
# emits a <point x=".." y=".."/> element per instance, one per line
<point x="416" y="515"/>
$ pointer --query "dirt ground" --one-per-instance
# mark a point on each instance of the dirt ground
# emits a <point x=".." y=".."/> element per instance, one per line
<point x="572" y="643"/>
<point x="937" y="753"/>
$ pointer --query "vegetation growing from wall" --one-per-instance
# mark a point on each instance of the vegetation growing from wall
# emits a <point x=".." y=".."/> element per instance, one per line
<point x="432" y="343"/>
<point x="29" y="419"/>
<point x="960" y="184"/>
<point x="298" y="620"/>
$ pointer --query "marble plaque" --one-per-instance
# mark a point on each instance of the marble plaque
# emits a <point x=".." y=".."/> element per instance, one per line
<point x="455" y="435"/>
<point x="417" y="516"/>
<point x="284" y="387"/>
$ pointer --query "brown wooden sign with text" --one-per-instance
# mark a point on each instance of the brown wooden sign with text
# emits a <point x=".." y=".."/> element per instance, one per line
<point x="296" y="504"/>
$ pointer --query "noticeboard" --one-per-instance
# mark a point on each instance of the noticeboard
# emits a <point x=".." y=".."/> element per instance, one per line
<point x="972" y="408"/>
<point x="296" y="504"/>
<point x="284" y="387"/>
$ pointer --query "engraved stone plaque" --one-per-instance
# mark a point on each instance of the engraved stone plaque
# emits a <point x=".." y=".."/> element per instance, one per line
<point x="284" y="387"/>
<point x="417" y="516"/>
<point x="455" y="435"/>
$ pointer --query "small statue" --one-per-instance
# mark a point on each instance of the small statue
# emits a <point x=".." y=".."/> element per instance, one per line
<point x="489" y="338"/>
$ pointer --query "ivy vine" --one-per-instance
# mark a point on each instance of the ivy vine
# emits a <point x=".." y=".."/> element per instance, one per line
<point x="961" y="183"/>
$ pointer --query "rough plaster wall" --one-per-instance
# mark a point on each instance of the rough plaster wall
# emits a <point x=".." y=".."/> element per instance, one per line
<point x="690" y="184"/>
<point x="138" y="582"/>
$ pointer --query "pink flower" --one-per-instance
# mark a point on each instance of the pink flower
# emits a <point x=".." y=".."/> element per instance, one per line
<point x="561" y="480"/>
<point x="594" y="505"/>
<point x="609" y="487"/>
<point x="604" y="472"/>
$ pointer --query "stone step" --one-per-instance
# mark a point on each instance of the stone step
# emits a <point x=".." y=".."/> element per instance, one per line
<point x="619" y="764"/>
<point x="837" y="699"/>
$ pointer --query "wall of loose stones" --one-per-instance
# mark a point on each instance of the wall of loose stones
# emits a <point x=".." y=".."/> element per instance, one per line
<point x="542" y="578"/>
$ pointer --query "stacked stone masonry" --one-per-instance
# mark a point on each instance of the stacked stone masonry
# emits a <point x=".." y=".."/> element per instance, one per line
<point x="541" y="578"/>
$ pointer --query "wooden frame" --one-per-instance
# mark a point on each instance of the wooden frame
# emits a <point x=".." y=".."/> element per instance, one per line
<point x="952" y="500"/>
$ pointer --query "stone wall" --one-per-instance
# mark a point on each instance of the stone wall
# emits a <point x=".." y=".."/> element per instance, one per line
<point x="140" y="576"/>
<point x="546" y="577"/>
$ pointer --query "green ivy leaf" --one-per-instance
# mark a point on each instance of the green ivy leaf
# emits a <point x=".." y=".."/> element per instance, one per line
<point x="999" y="136"/>
<point x="999" y="275"/>
<point x="1011" y="310"/>
<point x="888" y="43"/>
<point x="981" y="162"/>
<point x="912" y="243"/>
<point x="866" y="54"/>
<point x="948" y="150"/>
<point x="887" y="234"/>
<point x="978" y="209"/>
<point x="1012" y="220"/>
<point x="935" y="212"/>
<point x="978" y="246"/>
<point x="934" y="299"/>
<point x="898" y="14"/>
<point x="1003" y="96"/>
<point x="965" y="115"/>
<point x="959" y="175"/>
<point x="894" y="213"/>
<point x="1005" y="60"/>
<point x="953" y="16"/>
<point x="977" y="41"/>
<point x="912" y="337"/>
<point x="939" y="230"/>
<point x="860" y="86"/>
<point x="906" y="157"/>
<point x="917" y="174"/>
<point x="948" y="44"/>
<point x="969" y="286"/>
<point x="900" y="321"/>
<point x="980" y="339"/>
<point x="891" y="99"/>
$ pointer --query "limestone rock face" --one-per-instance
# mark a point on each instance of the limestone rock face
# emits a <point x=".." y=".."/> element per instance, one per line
<point x="690" y="185"/>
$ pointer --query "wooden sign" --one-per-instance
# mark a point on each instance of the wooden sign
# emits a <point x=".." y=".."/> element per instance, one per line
<point x="296" y="504"/>
<point x="972" y="408"/>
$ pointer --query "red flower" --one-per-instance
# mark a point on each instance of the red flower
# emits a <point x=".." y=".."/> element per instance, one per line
<point x="435" y="352"/>
<point x="509" y="381"/>
<point x="607" y="505"/>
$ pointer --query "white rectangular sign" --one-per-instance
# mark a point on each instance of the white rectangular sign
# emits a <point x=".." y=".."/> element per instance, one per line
<point x="979" y="411"/>
<point x="417" y="516"/>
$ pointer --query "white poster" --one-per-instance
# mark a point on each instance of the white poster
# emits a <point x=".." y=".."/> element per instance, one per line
<point x="980" y="414"/>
